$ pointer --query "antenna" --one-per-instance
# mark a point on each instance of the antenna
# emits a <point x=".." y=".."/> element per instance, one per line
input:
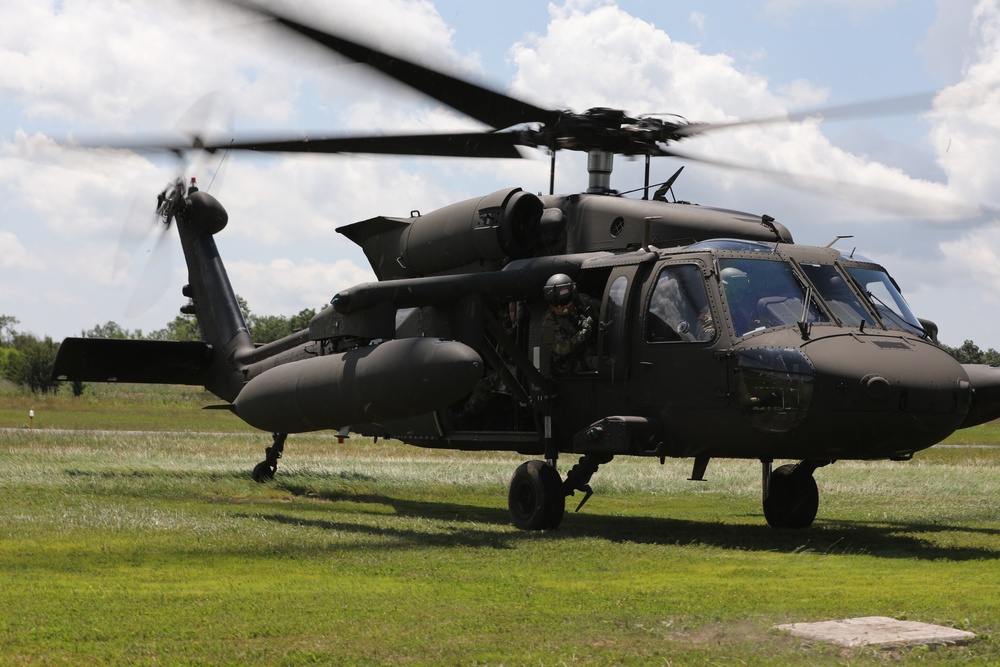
<point x="837" y="238"/>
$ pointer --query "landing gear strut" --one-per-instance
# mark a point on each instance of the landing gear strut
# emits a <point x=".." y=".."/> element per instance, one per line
<point x="578" y="478"/>
<point x="791" y="497"/>
<point x="264" y="471"/>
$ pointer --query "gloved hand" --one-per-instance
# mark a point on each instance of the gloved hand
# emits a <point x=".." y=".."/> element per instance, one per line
<point x="586" y="327"/>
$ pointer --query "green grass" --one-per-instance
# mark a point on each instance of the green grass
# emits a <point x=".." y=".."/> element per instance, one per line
<point x="156" y="548"/>
<point x="118" y="407"/>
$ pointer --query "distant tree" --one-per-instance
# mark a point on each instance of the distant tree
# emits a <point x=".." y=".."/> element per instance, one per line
<point x="30" y="364"/>
<point x="5" y="354"/>
<point x="268" y="328"/>
<point x="107" y="330"/>
<point x="263" y="328"/>
<point x="970" y="353"/>
<point x="244" y="308"/>
<point x="301" y="321"/>
<point x="7" y="332"/>
<point x="184" y="327"/>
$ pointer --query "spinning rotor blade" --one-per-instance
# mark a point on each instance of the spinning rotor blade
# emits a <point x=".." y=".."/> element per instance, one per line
<point x="475" y="144"/>
<point x="154" y="281"/>
<point x="495" y="109"/>
<point x="886" y="200"/>
<point x="595" y="129"/>
<point x="891" y="106"/>
<point x="144" y="227"/>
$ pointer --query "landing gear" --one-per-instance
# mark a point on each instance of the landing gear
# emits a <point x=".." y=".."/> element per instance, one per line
<point x="536" y="499"/>
<point x="264" y="471"/>
<point x="537" y="496"/>
<point x="578" y="478"/>
<point x="791" y="497"/>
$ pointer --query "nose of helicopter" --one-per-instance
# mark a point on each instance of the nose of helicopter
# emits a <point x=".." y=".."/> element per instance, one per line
<point x="856" y="396"/>
<point x="899" y="394"/>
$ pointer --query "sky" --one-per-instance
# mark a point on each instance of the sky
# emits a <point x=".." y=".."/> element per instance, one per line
<point x="919" y="191"/>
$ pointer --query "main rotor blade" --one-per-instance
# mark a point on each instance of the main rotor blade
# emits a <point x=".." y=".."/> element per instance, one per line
<point x="474" y="144"/>
<point x="886" y="200"/>
<point x="495" y="109"/>
<point x="470" y="144"/>
<point x="890" y="106"/>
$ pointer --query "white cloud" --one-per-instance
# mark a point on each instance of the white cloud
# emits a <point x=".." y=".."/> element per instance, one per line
<point x="945" y="47"/>
<point x="698" y="20"/>
<point x="283" y="286"/>
<point x="13" y="254"/>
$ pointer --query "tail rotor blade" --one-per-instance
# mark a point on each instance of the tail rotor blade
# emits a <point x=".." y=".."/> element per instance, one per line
<point x="154" y="280"/>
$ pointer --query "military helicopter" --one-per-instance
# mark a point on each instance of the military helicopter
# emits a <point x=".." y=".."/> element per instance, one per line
<point x="702" y="332"/>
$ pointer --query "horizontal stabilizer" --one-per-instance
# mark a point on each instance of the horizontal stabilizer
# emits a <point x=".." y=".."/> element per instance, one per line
<point x="120" y="360"/>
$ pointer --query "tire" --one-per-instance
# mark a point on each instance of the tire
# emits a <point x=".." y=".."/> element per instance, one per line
<point x="263" y="472"/>
<point x="536" y="500"/>
<point x="793" y="498"/>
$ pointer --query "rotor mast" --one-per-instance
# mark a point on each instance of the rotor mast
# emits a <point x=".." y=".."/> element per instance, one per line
<point x="600" y="163"/>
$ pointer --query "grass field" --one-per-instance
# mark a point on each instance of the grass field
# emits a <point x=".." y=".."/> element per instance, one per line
<point x="155" y="548"/>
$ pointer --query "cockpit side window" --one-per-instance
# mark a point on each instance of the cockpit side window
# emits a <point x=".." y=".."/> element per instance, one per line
<point x="839" y="297"/>
<point x="764" y="293"/>
<point x="678" y="307"/>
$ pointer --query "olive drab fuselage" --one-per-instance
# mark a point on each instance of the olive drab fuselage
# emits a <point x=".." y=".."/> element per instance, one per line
<point x="784" y="368"/>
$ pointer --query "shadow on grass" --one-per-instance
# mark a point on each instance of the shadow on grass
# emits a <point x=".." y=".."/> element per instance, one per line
<point x="470" y="525"/>
<point x="460" y="535"/>
<point x="881" y="540"/>
<point x="128" y="473"/>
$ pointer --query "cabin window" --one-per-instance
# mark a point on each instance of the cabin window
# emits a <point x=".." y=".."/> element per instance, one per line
<point x="763" y="293"/>
<point x="616" y="299"/>
<point x="678" y="307"/>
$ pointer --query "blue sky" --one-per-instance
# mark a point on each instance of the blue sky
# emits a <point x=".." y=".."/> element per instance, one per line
<point x="103" y="68"/>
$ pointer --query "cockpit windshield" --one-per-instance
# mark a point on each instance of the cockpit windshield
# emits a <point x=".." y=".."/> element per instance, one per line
<point x="889" y="303"/>
<point x="838" y="295"/>
<point x="765" y="293"/>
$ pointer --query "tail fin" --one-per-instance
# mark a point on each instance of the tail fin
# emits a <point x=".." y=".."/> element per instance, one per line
<point x="217" y="362"/>
<point x="214" y="302"/>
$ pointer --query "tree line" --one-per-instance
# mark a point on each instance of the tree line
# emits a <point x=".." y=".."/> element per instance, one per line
<point x="27" y="361"/>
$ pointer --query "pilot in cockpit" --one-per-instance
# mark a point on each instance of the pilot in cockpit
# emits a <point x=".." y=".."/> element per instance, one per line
<point x="742" y="305"/>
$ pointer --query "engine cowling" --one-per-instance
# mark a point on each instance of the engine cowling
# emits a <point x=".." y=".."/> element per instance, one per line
<point x="501" y="225"/>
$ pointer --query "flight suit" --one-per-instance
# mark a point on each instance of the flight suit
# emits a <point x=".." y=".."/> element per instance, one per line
<point x="571" y="336"/>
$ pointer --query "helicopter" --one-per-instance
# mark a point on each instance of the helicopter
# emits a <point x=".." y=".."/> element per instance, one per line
<point x="698" y="332"/>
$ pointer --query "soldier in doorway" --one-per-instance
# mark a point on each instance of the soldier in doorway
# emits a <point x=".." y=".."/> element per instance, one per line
<point x="569" y="328"/>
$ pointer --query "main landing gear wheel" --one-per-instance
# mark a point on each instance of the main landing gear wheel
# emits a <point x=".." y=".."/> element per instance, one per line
<point x="792" y="497"/>
<point x="536" y="499"/>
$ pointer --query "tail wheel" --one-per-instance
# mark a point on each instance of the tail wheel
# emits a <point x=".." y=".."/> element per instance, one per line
<point x="264" y="472"/>
<point x="536" y="500"/>
<point x="792" y="499"/>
